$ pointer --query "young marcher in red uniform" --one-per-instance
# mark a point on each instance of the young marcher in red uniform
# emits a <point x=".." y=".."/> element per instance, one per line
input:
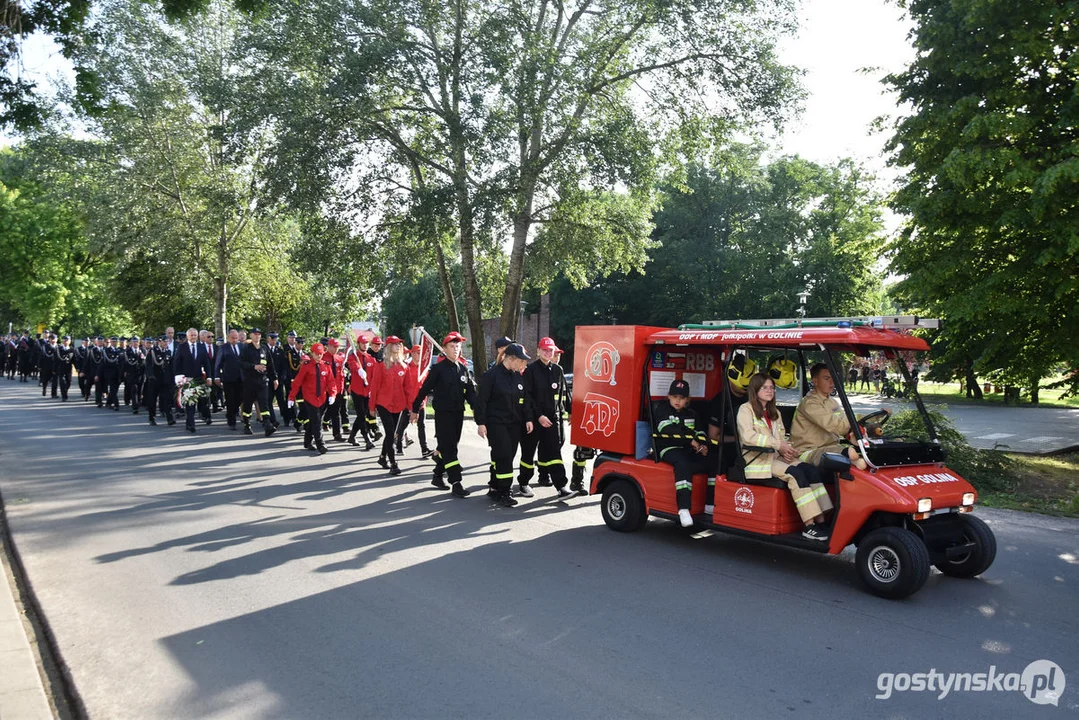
<point x="360" y="367"/>
<point x="336" y="362"/>
<point x="390" y="390"/>
<point x="319" y="391"/>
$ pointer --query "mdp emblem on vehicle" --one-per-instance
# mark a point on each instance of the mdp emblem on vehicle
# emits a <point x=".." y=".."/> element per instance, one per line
<point x="603" y="358"/>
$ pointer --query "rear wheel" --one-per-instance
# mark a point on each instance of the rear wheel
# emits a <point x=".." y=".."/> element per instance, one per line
<point x="980" y="557"/>
<point x="893" y="562"/>
<point x="623" y="507"/>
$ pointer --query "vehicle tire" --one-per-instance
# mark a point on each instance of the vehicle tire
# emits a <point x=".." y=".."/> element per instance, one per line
<point x="893" y="562"/>
<point x="980" y="558"/>
<point x="623" y="507"/>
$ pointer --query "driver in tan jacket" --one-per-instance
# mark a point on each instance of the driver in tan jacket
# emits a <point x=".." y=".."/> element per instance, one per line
<point x="820" y="424"/>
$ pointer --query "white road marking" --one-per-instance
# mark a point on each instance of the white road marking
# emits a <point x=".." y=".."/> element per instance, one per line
<point x="1042" y="438"/>
<point x="995" y="436"/>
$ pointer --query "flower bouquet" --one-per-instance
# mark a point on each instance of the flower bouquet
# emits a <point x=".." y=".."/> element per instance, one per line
<point x="191" y="390"/>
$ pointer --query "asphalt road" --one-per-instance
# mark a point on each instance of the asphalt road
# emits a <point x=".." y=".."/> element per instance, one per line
<point x="219" y="575"/>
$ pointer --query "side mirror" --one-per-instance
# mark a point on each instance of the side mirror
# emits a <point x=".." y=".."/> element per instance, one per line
<point x="837" y="463"/>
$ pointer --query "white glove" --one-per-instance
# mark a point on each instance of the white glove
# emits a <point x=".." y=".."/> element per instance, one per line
<point x="332" y="398"/>
<point x="292" y="403"/>
<point x="180" y="379"/>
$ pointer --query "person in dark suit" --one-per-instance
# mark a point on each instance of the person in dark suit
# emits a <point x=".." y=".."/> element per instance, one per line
<point x="228" y="375"/>
<point x="191" y="361"/>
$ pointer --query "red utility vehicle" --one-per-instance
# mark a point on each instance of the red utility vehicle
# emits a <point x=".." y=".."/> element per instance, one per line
<point x="905" y="512"/>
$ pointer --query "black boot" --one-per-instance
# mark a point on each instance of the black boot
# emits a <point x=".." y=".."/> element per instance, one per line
<point x="153" y="422"/>
<point x="394" y="470"/>
<point x="383" y="462"/>
<point x="247" y="429"/>
<point x="439" y="483"/>
<point x="459" y="491"/>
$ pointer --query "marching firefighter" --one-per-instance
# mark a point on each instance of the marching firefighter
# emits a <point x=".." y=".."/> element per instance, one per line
<point x="546" y="387"/>
<point x="314" y="381"/>
<point x="133" y="368"/>
<point x="452" y="387"/>
<point x="339" y="411"/>
<point x="293" y="360"/>
<point x="110" y="372"/>
<point x="259" y="376"/>
<point x="502" y="410"/>
<point x="160" y="390"/>
<point x="65" y="357"/>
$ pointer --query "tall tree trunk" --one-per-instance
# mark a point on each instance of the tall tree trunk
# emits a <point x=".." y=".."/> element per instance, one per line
<point x="473" y="302"/>
<point x="221" y="300"/>
<point x="447" y="289"/>
<point x="515" y="276"/>
<point x="1034" y="383"/>
<point x="973" y="389"/>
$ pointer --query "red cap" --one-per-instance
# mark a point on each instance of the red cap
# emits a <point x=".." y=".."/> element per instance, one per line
<point x="333" y="341"/>
<point x="548" y="344"/>
<point x="393" y="339"/>
<point x="416" y="348"/>
<point x="454" y="337"/>
<point x="376" y="340"/>
<point x="317" y="348"/>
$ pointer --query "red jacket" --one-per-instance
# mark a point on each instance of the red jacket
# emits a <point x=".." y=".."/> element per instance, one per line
<point x="311" y="374"/>
<point x="357" y="385"/>
<point x="337" y="365"/>
<point x="390" y="387"/>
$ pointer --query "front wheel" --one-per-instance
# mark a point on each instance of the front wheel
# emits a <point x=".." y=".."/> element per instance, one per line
<point x="893" y="562"/>
<point x="623" y="507"/>
<point x="980" y="556"/>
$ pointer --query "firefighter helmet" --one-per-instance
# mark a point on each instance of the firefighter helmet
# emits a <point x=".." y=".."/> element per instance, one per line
<point x="740" y="371"/>
<point x="783" y="372"/>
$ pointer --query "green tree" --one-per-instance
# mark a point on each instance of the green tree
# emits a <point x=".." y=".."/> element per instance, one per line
<point x="741" y="241"/>
<point x="579" y="130"/>
<point x="991" y="183"/>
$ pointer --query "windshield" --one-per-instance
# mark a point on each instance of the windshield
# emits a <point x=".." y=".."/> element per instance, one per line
<point x="881" y="388"/>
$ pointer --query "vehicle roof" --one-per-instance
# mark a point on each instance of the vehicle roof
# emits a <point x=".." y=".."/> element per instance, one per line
<point x="843" y="337"/>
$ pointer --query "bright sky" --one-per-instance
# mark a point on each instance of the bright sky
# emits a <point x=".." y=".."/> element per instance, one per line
<point x="837" y="40"/>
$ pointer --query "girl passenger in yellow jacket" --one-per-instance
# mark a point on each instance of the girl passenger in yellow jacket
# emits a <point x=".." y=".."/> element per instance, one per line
<point x="768" y="454"/>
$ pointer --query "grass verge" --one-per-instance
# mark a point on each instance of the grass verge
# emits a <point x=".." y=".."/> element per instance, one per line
<point x="1045" y="484"/>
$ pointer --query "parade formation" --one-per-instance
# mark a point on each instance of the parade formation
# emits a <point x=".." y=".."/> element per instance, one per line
<point x="518" y="403"/>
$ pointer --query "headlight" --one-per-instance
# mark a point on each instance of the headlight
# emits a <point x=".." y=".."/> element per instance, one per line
<point x="925" y="505"/>
<point x="968" y="498"/>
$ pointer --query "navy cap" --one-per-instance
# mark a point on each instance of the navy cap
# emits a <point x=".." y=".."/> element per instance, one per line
<point x="114" y="339"/>
<point x="272" y="334"/>
<point x="503" y="342"/>
<point x="163" y="337"/>
<point x="66" y="337"/>
<point x="291" y="333"/>
<point x="516" y="350"/>
<point x="150" y="339"/>
<point x="134" y="338"/>
<point x="324" y="340"/>
<point x="254" y="330"/>
<point x="679" y="387"/>
<point x="300" y="340"/>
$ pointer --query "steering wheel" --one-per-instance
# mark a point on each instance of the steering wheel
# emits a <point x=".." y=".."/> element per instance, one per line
<point x="884" y="416"/>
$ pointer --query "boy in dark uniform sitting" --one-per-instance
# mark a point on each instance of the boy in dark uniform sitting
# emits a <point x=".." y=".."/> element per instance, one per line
<point x="681" y="443"/>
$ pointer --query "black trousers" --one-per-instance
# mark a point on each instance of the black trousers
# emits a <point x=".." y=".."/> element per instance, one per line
<point x="234" y="392"/>
<point x="258" y="391"/>
<point x="548" y="443"/>
<point x="159" y="397"/>
<point x="421" y="427"/>
<point x="312" y="428"/>
<point x="281" y="395"/>
<point x="686" y="464"/>
<point x="389" y="427"/>
<point x="503" y="440"/>
<point x="65" y="382"/>
<point x="101" y="386"/>
<point x="364" y="423"/>
<point x="448" y="427"/>
<point x="48" y="377"/>
<point x="84" y="386"/>
<point x="132" y="385"/>
<point x="113" y="383"/>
